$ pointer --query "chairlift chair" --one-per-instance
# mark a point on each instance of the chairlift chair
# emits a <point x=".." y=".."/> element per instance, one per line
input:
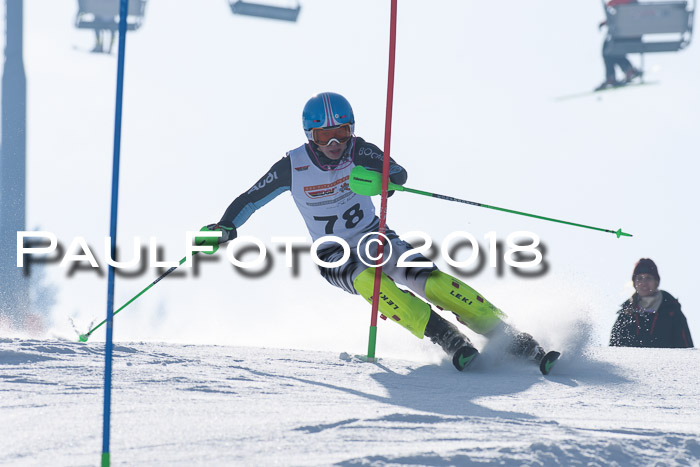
<point x="240" y="7"/>
<point x="637" y="27"/>
<point x="104" y="14"/>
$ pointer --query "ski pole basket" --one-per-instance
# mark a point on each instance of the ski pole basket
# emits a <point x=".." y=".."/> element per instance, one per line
<point x="104" y="14"/>
<point x="265" y="11"/>
<point x="649" y="27"/>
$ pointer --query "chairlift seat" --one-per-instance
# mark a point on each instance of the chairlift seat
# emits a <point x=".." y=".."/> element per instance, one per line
<point x="259" y="10"/>
<point x="633" y="27"/>
<point x="104" y="14"/>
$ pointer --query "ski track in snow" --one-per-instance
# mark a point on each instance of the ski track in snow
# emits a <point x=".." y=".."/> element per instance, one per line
<point x="215" y="405"/>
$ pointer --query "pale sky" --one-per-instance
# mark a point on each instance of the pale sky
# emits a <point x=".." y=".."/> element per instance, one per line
<point x="212" y="100"/>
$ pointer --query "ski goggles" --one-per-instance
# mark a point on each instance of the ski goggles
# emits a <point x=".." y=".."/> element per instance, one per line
<point x="324" y="136"/>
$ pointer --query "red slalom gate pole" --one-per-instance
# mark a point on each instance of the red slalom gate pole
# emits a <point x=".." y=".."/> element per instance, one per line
<point x="385" y="183"/>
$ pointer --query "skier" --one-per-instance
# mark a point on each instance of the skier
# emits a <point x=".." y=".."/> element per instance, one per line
<point x="101" y="46"/>
<point x="611" y="60"/>
<point x="317" y="175"/>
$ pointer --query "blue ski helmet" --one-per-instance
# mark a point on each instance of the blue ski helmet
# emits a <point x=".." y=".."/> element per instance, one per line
<point x="324" y="110"/>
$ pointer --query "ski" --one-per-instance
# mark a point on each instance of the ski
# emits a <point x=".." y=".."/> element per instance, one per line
<point x="463" y="357"/>
<point x="606" y="90"/>
<point x="548" y="361"/>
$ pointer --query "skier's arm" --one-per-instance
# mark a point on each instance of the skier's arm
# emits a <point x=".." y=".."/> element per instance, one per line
<point x="276" y="181"/>
<point x="371" y="157"/>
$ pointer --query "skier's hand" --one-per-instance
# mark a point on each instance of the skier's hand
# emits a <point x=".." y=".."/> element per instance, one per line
<point x="390" y="192"/>
<point x="228" y="232"/>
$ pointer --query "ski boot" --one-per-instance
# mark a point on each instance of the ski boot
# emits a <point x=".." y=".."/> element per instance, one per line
<point x="609" y="83"/>
<point x="453" y="342"/>
<point x="631" y="74"/>
<point x="524" y="345"/>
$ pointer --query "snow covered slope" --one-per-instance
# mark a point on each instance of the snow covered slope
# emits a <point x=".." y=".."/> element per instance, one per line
<point x="215" y="405"/>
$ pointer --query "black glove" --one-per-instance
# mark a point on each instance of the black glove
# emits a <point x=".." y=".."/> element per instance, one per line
<point x="228" y="232"/>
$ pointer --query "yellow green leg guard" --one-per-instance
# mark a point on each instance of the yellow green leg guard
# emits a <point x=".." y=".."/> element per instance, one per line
<point x="471" y="308"/>
<point x="409" y="311"/>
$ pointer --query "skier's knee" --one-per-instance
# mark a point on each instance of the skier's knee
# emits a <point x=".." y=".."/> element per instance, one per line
<point x="470" y="307"/>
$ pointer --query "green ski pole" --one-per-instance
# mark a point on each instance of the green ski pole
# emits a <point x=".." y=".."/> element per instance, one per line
<point x="369" y="183"/>
<point x="84" y="337"/>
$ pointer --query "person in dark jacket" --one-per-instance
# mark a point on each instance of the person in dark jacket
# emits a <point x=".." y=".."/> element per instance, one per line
<point x="651" y="317"/>
<point x="611" y="59"/>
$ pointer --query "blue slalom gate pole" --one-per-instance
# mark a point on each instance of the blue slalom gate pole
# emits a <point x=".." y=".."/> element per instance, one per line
<point x="123" y="11"/>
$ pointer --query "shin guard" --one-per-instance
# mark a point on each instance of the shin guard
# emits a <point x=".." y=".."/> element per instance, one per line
<point x="467" y="304"/>
<point x="409" y="311"/>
